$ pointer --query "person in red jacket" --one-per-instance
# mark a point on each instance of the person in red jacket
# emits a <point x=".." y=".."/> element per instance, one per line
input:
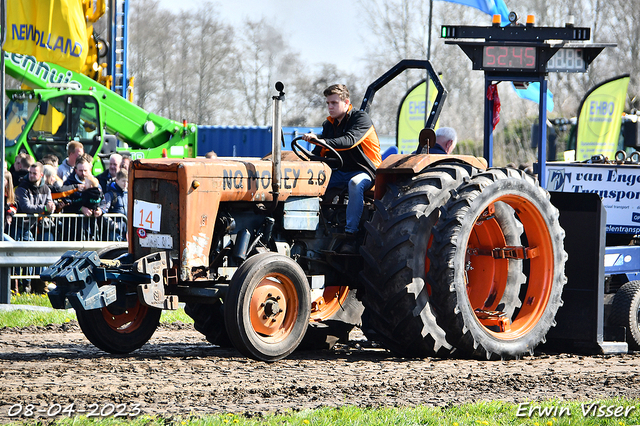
<point x="351" y="133"/>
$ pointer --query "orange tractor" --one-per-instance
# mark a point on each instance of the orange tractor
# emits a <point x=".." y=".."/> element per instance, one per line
<point x="454" y="255"/>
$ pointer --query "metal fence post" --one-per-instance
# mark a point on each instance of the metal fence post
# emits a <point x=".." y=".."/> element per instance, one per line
<point x="5" y="286"/>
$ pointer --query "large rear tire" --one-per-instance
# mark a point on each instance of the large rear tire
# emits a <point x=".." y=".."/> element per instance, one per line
<point x="396" y="297"/>
<point x="625" y="312"/>
<point x="122" y="327"/>
<point x="471" y="267"/>
<point x="267" y="307"/>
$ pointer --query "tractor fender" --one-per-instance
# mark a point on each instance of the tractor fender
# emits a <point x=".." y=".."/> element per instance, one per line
<point x="399" y="167"/>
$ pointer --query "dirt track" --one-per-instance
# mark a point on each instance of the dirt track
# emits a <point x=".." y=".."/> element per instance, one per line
<point x="178" y="372"/>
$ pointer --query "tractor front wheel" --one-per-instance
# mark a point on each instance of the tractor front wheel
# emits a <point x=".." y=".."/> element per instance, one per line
<point x="267" y="307"/>
<point x="119" y="330"/>
<point x="124" y="326"/>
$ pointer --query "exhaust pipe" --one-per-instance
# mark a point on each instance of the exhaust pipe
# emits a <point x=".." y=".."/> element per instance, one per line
<point x="276" y="153"/>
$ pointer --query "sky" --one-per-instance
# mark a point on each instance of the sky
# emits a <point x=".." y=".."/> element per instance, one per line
<point x="302" y="22"/>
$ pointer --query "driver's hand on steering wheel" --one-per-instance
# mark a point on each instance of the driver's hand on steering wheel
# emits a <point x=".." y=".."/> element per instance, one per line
<point x="308" y="136"/>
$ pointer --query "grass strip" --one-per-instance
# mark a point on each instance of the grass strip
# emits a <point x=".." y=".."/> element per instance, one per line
<point x="26" y="318"/>
<point x="484" y="413"/>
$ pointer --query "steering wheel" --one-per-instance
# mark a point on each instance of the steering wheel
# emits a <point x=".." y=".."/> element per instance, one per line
<point x="335" y="161"/>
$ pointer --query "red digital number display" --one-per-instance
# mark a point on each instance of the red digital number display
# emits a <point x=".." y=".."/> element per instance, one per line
<point x="505" y="57"/>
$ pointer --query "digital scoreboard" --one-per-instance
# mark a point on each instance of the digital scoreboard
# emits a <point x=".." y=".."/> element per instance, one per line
<point x="525" y="50"/>
<point x="522" y="54"/>
<point x="507" y="57"/>
<point x="567" y="60"/>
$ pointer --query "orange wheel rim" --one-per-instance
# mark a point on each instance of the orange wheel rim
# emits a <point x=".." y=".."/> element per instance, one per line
<point x="127" y="321"/>
<point x="325" y="306"/>
<point x="486" y="277"/>
<point x="492" y="273"/>
<point x="274" y="308"/>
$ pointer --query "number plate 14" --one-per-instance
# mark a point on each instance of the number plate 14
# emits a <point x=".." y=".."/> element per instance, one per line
<point x="146" y="215"/>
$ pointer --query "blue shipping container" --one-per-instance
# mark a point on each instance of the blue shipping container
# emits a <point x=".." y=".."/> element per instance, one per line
<point x="245" y="141"/>
<point x="234" y="141"/>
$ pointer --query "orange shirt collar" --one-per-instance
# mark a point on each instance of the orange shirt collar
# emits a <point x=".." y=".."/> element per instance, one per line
<point x="331" y="120"/>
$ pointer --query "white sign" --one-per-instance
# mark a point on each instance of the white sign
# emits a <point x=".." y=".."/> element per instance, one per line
<point x="617" y="186"/>
<point x="163" y="241"/>
<point x="146" y="215"/>
<point x="177" y="150"/>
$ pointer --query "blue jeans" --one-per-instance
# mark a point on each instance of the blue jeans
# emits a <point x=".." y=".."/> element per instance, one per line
<point x="357" y="182"/>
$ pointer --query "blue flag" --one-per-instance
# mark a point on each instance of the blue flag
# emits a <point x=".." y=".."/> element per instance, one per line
<point x="532" y="93"/>
<point x="491" y="7"/>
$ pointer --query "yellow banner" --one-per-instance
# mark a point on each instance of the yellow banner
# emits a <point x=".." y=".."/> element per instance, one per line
<point x="600" y="119"/>
<point x="51" y="30"/>
<point x="411" y="118"/>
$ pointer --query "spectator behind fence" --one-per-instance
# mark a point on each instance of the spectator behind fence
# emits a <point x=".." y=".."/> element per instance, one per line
<point x="79" y="202"/>
<point x="92" y="196"/>
<point x="126" y="161"/>
<point x="33" y="196"/>
<point x="115" y="197"/>
<point x="51" y="160"/>
<point x="211" y="154"/>
<point x="10" y="207"/>
<point x="109" y="175"/>
<point x="115" y="201"/>
<point x="83" y="202"/>
<point x="75" y="150"/>
<point x="57" y="187"/>
<point x="20" y="167"/>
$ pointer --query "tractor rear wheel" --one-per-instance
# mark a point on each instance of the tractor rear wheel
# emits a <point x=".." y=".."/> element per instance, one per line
<point x="121" y="327"/>
<point x="475" y="298"/>
<point x="625" y="312"/>
<point x="208" y="319"/>
<point x="396" y="297"/>
<point x="334" y="314"/>
<point x="267" y="307"/>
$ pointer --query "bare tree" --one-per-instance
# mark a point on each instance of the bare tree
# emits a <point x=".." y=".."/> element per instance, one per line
<point x="166" y="65"/>
<point x="623" y="29"/>
<point x="305" y="105"/>
<point x="263" y="58"/>
<point x="143" y="49"/>
<point x="400" y="32"/>
<point x="213" y="72"/>
<point x="183" y="79"/>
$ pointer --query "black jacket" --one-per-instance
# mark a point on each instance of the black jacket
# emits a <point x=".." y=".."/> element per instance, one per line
<point x="90" y="198"/>
<point x="356" y="141"/>
<point x="105" y="179"/>
<point x="31" y="198"/>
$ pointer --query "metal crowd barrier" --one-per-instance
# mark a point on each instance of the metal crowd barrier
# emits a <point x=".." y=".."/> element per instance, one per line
<point x="33" y="241"/>
<point x="58" y="227"/>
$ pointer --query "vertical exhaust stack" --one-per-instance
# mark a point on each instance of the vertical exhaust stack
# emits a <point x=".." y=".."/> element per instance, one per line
<point x="276" y="136"/>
